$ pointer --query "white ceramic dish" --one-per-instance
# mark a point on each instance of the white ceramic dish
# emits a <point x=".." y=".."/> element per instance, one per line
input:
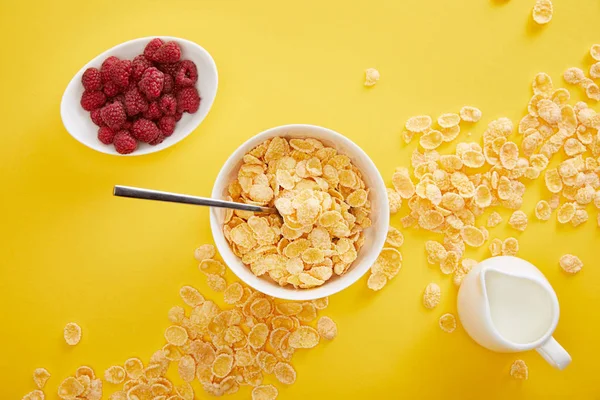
<point x="374" y="235"/>
<point x="78" y="123"/>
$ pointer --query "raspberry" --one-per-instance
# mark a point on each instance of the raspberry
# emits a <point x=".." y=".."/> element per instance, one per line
<point x="145" y="130"/>
<point x="169" y="69"/>
<point x="178" y="115"/>
<point x="124" y="142"/>
<point x="159" y="139"/>
<point x="120" y="72"/>
<point x="127" y="125"/>
<point x="151" y="48"/>
<point x="152" y="83"/>
<point x="167" y="125"/>
<point x="153" y="112"/>
<point x="114" y="115"/>
<point x="135" y="103"/>
<point x="169" y="84"/>
<point x="111" y="89"/>
<point x="96" y="118"/>
<point x="188" y="100"/>
<point x="187" y="74"/>
<point x="138" y="66"/>
<point x="167" y="53"/>
<point x="168" y="104"/>
<point x="105" y="68"/>
<point x="91" y="100"/>
<point x="106" y="135"/>
<point x="91" y="79"/>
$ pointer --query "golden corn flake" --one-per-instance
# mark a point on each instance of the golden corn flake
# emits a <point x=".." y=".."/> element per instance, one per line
<point x="542" y="11"/>
<point x="327" y="328"/>
<point x="448" y="120"/>
<point x="209" y="267"/>
<point x="436" y="252"/>
<point x="305" y="337"/>
<point x="134" y="368"/>
<point x="115" y="374"/>
<point x="470" y="114"/>
<point x="518" y="220"/>
<point x="257" y="337"/>
<point x="431" y="140"/>
<point x="216" y="282"/>
<point x="176" y="314"/>
<point x="34" y="395"/>
<point x="371" y="77"/>
<point x="72" y="333"/>
<point x="204" y="252"/>
<point x="472" y="236"/>
<point x="191" y="296"/>
<point x="70" y="388"/>
<point x="519" y="370"/>
<point x="388" y="263"/>
<point x="187" y="368"/>
<point x="579" y="218"/>
<point x="376" y="281"/>
<point x="573" y="75"/>
<point x="176" y="335"/>
<point x="222" y="365"/>
<point x="543" y="211"/>
<point x="285" y="373"/>
<point x="494" y="219"/>
<point x="542" y="84"/>
<point x="449" y="264"/>
<point x="565" y="213"/>
<point x="447" y="323"/>
<point x="233" y="293"/>
<point x="265" y="392"/>
<point x="394" y="238"/>
<point x="394" y="200"/>
<point x="40" y="377"/>
<point x="553" y="181"/>
<point x="432" y="296"/>
<point x="570" y="264"/>
<point x="403" y="185"/>
<point x="418" y="124"/>
<point x="510" y="247"/>
<point x="509" y="154"/>
<point x="495" y="247"/>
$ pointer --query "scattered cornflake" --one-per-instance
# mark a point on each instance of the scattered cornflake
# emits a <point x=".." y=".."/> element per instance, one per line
<point x="327" y="328"/>
<point x="70" y="388"/>
<point x="470" y="114"/>
<point x="542" y="11"/>
<point x="40" y="377"/>
<point x="176" y="335"/>
<point x="448" y="323"/>
<point x="573" y="75"/>
<point x="510" y="246"/>
<point x="543" y="211"/>
<point x="34" y="395"/>
<point x="495" y="247"/>
<point x="216" y="282"/>
<point x="376" y="281"/>
<point x="206" y="251"/>
<point x="115" y="374"/>
<point x="494" y="219"/>
<point x="518" y="220"/>
<point x="72" y="333"/>
<point x="570" y="264"/>
<point x="264" y="392"/>
<point x="566" y="212"/>
<point x="432" y="296"/>
<point x="448" y="120"/>
<point x="418" y="124"/>
<point x="371" y="77"/>
<point x="519" y="370"/>
<point x="285" y="373"/>
<point x="191" y="296"/>
<point x="595" y="52"/>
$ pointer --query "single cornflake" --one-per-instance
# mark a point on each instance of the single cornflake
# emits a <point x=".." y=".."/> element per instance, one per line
<point x="542" y="84"/>
<point x="494" y="219"/>
<point x="233" y="293"/>
<point x="191" y="296"/>
<point x="134" y="368"/>
<point x="542" y="11"/>
<point x="448" y="120"/>
<point x="472" y="236"/>
<point x="176" y="335"/>
<point x="305" y="337"/>
<point x="418" y="124"/>
<point x="115" y="374"/>
<point x="285" y="373"/>
<point x="543" y="211"/>
<point x="470" y="114"/>
<point x="432" y="295"/>
<point x="553" y="181"/>
<point x="376" y="281"/>
<point x="40" y="377"/>
<point x="394" y="238"/>
<point x="204" y="252"/>
<point x="264" y="392"/>
<point x="570" y="264"/>
<point x="519" y="370"/>
<point x="72" y="333"/>
<point x="327" y="328"/>
<point x="431" y="140"/>
<point x="518" y="220"/>
<point x="371" y="77"/>
<point x="495" y="247"/>
<point x="573" y="75"/>
<point x="70" y="388"/>
<point x="222" y="365"/>
<point x="187" y="368"/>
<point x="510" y="247"/>
<point x="34" y="395"/>
<point x="566" y="212"/>
<point x="447" y="323"/>
<point x="216" y="282"/>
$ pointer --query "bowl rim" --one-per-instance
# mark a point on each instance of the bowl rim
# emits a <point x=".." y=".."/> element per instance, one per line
<point x="234" y="263"/>
<point x="154" y="149"/>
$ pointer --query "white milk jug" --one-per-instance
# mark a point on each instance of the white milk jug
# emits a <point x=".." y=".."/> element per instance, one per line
<point x="506" y="304"/>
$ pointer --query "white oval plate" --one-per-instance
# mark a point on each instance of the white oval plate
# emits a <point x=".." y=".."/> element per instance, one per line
<point x="78" y="123"/>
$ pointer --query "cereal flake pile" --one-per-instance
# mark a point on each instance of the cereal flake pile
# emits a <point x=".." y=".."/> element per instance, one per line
<point x="323" y="209"/>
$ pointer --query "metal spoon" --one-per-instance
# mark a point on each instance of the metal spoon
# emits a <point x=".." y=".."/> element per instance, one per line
<point x="148" y="194"/>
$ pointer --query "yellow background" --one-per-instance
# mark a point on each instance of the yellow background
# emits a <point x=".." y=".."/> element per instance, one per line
<point x="72" y="252"/>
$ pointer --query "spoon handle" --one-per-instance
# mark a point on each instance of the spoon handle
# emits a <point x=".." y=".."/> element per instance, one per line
<point x="148" y="194"/>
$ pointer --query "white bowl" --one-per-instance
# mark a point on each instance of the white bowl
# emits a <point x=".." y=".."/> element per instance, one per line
<point x="374" y="236"/>
<point x="78" y="123"/>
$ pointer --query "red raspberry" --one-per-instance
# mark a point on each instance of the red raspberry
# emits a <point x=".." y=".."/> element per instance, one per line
<point x="135" y="103"/>
<point x="151" y="48"/>
<point x="111" y="89"/>
<point x="127" y="125"/>
<point x="145" y="130"/>
<point x="167" y="125"/>
<point x="167" y="53"/>
<point x="178" y="115"/>
<point x="168" y="104"/>
<point x="159" y="139"/>
<point x="114" y="115"/>
<point x="153" y="112"/>
<point x="169" y="69"/>
<point x="169" y="84"/>
<point x="91" y="100"/>
<point x="91" y="79"/>
<point x="105" y="68"/>
<point x="96" y="118"/>
<point x="120" y="73"/>
<point x="152" y="83"/>
<point x="106" y="135"/>
<point x="138" y="66"/>
<point x="187" y="74"/>
<point x="124" y="142"/>
<point x="188" y="100"/>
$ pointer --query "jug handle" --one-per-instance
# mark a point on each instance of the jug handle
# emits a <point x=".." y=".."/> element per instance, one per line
<point x="554" y="354"/>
